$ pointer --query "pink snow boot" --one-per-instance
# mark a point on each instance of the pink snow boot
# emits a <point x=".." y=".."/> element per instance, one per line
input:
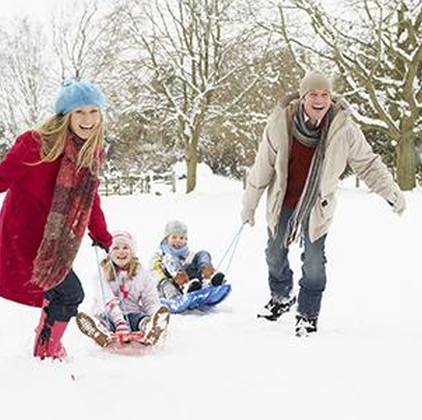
<point x="48" y="339"/>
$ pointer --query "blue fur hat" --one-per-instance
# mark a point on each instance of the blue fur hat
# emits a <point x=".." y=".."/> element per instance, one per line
<point x="74" y="94"/>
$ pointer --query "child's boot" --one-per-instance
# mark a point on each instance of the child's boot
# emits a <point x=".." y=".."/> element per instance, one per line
<point x="192" y="285"/>
<point x="88" y="326"/>
<point x="211" y="276"/>
<point x="217" y="279"/>
<point x="153" y="327"/>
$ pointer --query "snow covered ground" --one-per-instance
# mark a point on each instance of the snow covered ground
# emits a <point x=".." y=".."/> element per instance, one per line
<point x="364" y="363"/>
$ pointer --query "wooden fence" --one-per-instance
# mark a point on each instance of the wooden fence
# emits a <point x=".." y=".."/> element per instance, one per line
<point x="142" y="184"/>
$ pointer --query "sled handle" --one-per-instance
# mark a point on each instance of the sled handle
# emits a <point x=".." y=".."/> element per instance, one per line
<point x="101" y="279"/>
<point x="232" y="247"/>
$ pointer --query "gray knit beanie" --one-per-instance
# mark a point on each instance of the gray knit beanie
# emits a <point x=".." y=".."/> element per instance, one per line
<point x="315" y="79"/>
<point x="176" y="227"/>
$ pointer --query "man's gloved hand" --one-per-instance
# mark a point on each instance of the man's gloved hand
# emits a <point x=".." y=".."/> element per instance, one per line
<point x="181" y="278"/>
<point x="398" y="202"/>
<point x="247" y="216"/>
<point x="103" y="247"/>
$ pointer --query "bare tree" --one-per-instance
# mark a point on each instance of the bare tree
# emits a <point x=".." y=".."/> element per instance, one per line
<point x="183" y="46"/>
<point x="376" y="46"/>
<point x="25" y="78"/>
<point x="231" y="142"/>
<point x="84" y="40"/>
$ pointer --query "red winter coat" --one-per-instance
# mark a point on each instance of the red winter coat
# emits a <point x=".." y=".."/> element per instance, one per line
<point x="24" y="213"/>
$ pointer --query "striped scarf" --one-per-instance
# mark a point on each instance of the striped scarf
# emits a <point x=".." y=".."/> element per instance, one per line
<point x="67" y="220"/>
<point x="310" y="137"/>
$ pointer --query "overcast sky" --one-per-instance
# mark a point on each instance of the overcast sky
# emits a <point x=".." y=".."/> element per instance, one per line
<point x="34" y="8"/>
<point x="40" y="8"/>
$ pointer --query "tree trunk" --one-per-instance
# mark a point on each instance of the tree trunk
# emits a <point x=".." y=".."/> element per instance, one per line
<point x="406" y="163"/>
<point x="191" y="165"/>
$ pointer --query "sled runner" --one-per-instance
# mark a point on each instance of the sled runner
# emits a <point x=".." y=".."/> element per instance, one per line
<point x="201" y="299"/>
<point x="154" y="331"/>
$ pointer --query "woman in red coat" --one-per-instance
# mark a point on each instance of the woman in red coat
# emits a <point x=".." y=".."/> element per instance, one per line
<point x="51" y="178"/>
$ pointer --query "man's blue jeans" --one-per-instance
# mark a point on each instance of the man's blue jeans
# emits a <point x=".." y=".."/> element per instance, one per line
<point x="280" y="276"/>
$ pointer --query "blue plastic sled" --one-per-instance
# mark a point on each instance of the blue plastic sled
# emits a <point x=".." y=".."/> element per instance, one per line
<point x="199" y="299"/>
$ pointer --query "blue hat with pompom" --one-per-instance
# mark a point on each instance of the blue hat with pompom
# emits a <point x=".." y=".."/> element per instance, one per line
<point x="78" y="93"/>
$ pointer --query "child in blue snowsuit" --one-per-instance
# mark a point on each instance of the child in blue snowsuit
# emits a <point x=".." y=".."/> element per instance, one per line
<point x="176" y="269"/>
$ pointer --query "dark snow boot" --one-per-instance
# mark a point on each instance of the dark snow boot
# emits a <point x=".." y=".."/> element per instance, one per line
<point x="275" y="308"/>
<point x="217" y="279"/>
<point x="193" y="285"/>
<point x="305" y="325"/>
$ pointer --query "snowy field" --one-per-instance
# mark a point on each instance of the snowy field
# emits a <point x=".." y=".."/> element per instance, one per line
<point x="364" y="363"/>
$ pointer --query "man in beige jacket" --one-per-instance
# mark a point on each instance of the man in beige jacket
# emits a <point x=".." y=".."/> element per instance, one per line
<point x="307" y="144"/>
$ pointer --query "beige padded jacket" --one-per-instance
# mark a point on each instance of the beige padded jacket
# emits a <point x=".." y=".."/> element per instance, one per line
<point x="346" y="144"/>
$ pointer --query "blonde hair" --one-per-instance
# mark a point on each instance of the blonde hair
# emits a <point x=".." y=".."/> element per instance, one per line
<point x="53" y="134"/>
<point x="109" y="269"/>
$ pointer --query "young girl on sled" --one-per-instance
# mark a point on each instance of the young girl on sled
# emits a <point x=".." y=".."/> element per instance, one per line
<point x="127" y="305"/>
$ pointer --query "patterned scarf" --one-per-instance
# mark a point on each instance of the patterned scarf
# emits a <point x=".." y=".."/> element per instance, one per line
<point x="69" y="215"/>
<point x="309" y="137"/>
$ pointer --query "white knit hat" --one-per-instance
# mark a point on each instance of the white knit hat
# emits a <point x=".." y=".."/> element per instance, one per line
<point x="313" y="80"/>
<point x="176" y="227"/>
<point x="121" y="237"/>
